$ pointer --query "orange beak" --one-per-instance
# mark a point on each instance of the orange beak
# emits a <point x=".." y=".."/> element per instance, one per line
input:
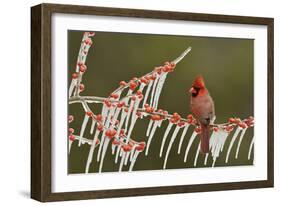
<point x="192" y="90"/>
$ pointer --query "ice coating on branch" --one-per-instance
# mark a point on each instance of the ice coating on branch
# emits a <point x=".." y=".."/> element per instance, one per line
<point x="113" y="147"/>
<point x="133" y="161"/>
<point x="250" y="148"/>
<point x="147" y="92"/>
<point x="182" y="137"/>
<point x="155" y="124"/>
<point x="92" y="150"/>
<point x="132" y="152"/>
<point x="104" y="148"/>
<point x="83" y="127"/>
<point x="123" y="116"/>
<point x="192" y="138"/>
<point x="159" y="89"/>
<point x="169" y="127"/>
<point x="196" y="155"/>
<point x="170" y="145"/>
<point x="69" y="145"/>
<point x="239" y="143"/>
<point x="237" y="131"/>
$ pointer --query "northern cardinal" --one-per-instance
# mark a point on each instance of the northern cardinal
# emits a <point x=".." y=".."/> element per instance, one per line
<point x="202" y="106"/>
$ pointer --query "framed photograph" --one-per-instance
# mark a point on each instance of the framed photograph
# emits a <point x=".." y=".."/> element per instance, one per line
<point x="136" y="102"/>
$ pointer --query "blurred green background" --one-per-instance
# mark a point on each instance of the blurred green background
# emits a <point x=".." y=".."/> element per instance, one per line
<point x="227" y="65"/>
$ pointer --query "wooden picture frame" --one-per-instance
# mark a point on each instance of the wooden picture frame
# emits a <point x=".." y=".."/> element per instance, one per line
<point x="41" y="96"/>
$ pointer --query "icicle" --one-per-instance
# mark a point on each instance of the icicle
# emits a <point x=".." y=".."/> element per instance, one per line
<point x="250" y="149"/>
<point x="104" y="148"/>
<point x="69" y="145"/>
<point x="117" y="153"/>
<point x="115" y="116"/>
<point x="132" y="103"/>
<point x="170" y="145"/>
<point x="101" y="145"/>
<point x="239" y="143"/>
<point x="217" y="141"/>
<point x="92" y="150"/>
<point x="147" y="93"/>
<point x="83" y="127"/>
<point x="92" y="126"/>
<point x="71" y="87"/>
<point x="123" y="116"/>
<point x="113" y="146"/>
<point x="182" y="137"/>
<point x="134" y="160"/>
<point x="127" y="158"/>
<point x="206" y="159"/>
<point x="151" y="136"/>
<point x="214" y="161"/>
<point x="159" y="89"/>
<point x="169" y="127"/>
<point x="232" y="142"/>
<point x="104" y="113"/>
<point x="196" y="156"/>
<point x="192" y="138"/>
<point x="155" y="82"/>
<point x="149" y="127"/>
<point x="122" y="160"/>
<point x="132" y="151"/>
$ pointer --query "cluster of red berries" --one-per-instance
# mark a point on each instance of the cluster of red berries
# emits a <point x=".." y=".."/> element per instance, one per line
<point x="168" y="67"/>
<point x="175" y="118"/>
<point x="148" y="109"/>
<point x="239" y="122"/>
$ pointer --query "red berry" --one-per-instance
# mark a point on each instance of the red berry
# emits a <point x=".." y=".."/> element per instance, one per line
<point x="231" y="120"/>
<point x="99" y="117"/>
<point x="81" y="87"/>
<point x="216" y="129"/>
<point x="120" y="104"/>
<point x="89" y="113"/>
<point x="138" y="113"/>
<point x="123" y="83"/>
<point x="114" y="96"/>
<point x="153" y="77"/>
<point x="91" y="33"/>
<point x="70" y="130"/>
<point x="146" y="105"/>
<point x="133" y="85"/>
<point x="126" y="109"/>
<point x="115" y="142"/>
<point x="88" y="41"/>
<point x="133" y="98"/>
<point x="74" y="76"/>
<point x="70" y="118"/>
<point x="100" y="127"/>
<point x="155" y="117"/>
<point x="198" y="130"/>
<point x="181" y="124"/>
<point x="71" y="137"/>
<point x="126" y="148"/>
<point x="82" y="68"/>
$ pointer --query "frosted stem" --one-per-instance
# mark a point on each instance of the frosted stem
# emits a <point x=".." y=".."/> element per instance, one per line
<point x="159" y="89"/>
<point x="194" y="134"/>
<point x="132" y="103"/>
<point x="153" y="90"/>
<point x="123" y="116"/>
<point x="182" y="137"/>
<point x="69" y="145"/>
<point x="232" y="142"/>
<point x="239" y="143"/>
<point x="165" y="137"/>
<point x="127" y="158"/>
<point x="82" y="130"/>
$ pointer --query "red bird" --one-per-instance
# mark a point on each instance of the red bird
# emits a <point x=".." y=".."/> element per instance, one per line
<point x="202" y="106"/>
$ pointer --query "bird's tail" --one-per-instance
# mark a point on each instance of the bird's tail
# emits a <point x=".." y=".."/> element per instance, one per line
<point x="204" y="138"/>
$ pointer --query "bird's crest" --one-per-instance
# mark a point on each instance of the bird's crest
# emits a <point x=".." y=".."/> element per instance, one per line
<point x="199" y="82"/>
